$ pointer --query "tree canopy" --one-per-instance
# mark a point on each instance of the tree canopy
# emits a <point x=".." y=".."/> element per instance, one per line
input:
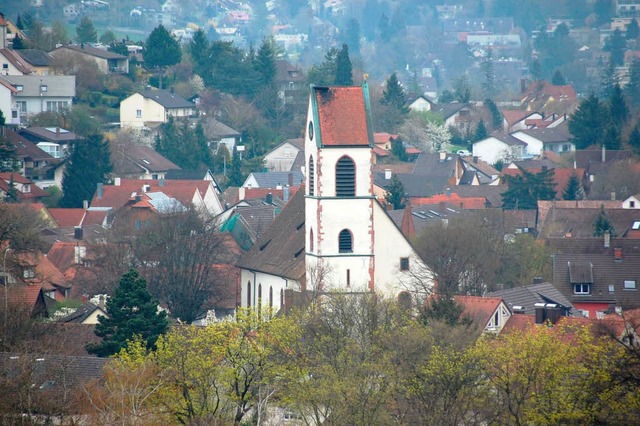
<point x="343" y="68"/>
<point x="526" y="188"/>
<point x="161" y="49"/>
<point x="86" y="32"/>
<point x="589" y="122"/>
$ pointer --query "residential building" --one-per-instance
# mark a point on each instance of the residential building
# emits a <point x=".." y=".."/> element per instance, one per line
<point x="218" y="133"/>
<point x="38" y="60"/>
<point x="152" y="107"/>
<point x="523" y="300"/>
<point x="282" y="157"/>
<point x="133" y="160"/>
<point x="554" y="139"/>
<point x="8" y="104"/>
<point x="40" y="93"/>
<point x="487" y="314"/>
<point x="52" y="140"/>
<point x="27" y="191"/>
<point x="273" y="179"/>
<point x="499" y="147"/>
<point x="13" y="64"/>
<point x="107" y="61"/>
<point x="34" y="163"/>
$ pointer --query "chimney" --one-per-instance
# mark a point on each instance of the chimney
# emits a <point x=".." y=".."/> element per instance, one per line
<point x="613" y="195"/>
<point x="387" y="174"/>
<point x="575" y="164"/>
<point x="518" y="310"/>
<point x="116" y="181"/>
<point x="552" y="312"/>
<point x="285" y="194"/>
<point x="607" y="239"/>
<point x="441" y="207"/>
<point x="146" y="188"/>
<point x="443" y="157"/>
<point x="539" y="308"/>
<point x="85" y="204"/>
<point x="58" y="131"/>
<point x="161" y="182"/>
<point x="448" y="192"/>
<point x="604" y="154"/>
<point x="269" y="198"/>
<point x="538" y="280"/>
<point x="290" y="179"/>
<point x="100" y="190"/>
<point x="475" y="159"/>
<point x="77" y="233"/>
<point x="617" y="254"/>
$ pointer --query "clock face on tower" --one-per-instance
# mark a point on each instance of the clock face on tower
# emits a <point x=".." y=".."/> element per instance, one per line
<point x="310" y="131"/>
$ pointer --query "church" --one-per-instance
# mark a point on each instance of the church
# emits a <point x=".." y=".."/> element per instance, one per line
<point x="334" y="235"/>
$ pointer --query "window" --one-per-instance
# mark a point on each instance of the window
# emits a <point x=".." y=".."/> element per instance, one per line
<point x="43" y="88"/>
<point x="270" y="297"/>
<point x="57" y="106"/>
<point x="345" y="241"/>
<point x="345" y="177"/>
<point x="348" y="277"/>
<point x="138" y="113"/>
<point x="311" y="239"/>
<point x="632" y="204"/>
<point x="404" y="263"/>
<point x="312" y="176"/>
<point x="28" y="273"/>
<point x="14" y="114"/>
<point x="22" y="106"/>
<point x="630" y="284"/>
<point x="249" y="293"/>
<point x="496" y="319"/>
<point x="581" y="288"/>
<point x="19" y="87"/>
<point x="5" y="66"/>
<point x="612" y="288"/>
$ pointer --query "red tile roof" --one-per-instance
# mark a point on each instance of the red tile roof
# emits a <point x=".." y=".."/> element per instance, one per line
<point x="67" y="217"/>
<point x="513" y="116"/>
<point x="17" y="177"/>
<point x="478" y="309"/>
<point x="383" y="137"/>
<point x="94" y="217"/>
<point x="380" y="152"/>
<point x="342" y="116"/>
<point x="455" y="199"/>
<point x="27" y="295"/>
<point x="182" y="190"/>
<point x="62" y="255"/>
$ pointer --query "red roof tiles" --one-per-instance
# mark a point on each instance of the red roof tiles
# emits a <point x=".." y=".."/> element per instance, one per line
<point x="67" y="217"/>
<point x="343" y="116"/>
<point x="455" y="199"/>
<point x="478" y="309"/>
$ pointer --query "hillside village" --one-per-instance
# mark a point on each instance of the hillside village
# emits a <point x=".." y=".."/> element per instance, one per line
<point x="274" y="213"/>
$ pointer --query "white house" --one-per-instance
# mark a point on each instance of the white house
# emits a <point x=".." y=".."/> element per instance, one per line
<point x="39" y="93"/>
<point x="632" y="202"/>
<point x="7" y="102"/>
<point x="345" y="241"/>
<point x="499" y="147"/>
<point x="556" y="139"/>
<point x="421" y="103"/>
<point x="152" y="107"/>
<point x="107" y="61"/>
<point x="281" y="158"/>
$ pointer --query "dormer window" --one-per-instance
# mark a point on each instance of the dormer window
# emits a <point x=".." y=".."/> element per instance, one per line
<point x="582" y="288"/>
<point x="43" y="88"/>
<point x="28" y="272"/>
<point x="19" y="87"/>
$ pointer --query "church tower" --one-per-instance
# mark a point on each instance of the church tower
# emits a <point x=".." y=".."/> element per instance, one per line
<point x="339" y="202"/>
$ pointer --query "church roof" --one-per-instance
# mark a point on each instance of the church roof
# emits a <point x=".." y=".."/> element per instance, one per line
<point x="341" y="114"/>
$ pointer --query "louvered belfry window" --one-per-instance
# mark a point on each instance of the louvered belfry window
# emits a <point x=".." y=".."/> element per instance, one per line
<point x="312" y="176"/>
<point x="345" y="177"/>
<point x="345" y="241"/>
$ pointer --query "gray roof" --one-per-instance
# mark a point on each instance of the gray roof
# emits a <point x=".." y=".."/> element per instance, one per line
<point x="274" y="179"/>
<point x="215" y="129"/>
<point x="529" y="295"/>
<point x="93" y="51"/>
<point x="57" y="85"/>
<point x="447" y="110"/>
<point x="81" y="314"/>
<point x="35" y="57"/>
<point x="49" y="134"/>
<point x="506" y="138"/>
<point x="167" y="99"/>
<point x="557" y="134"/>
<point x="133" y="158"/>
<point x="280" y="249"/>
<point x="491" y="193"/>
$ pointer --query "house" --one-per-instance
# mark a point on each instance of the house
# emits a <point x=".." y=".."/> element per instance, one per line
<point x="38" y="60"/>
<point x="547" y="98"/>
<point x="290" y="80"/>
<point x="107" y="61"/>
<point x="523" y="300"/>
<point x="597" y="274"/>
<point x="7" y="103"/>
<point x="489" y="314"/>
<point x="34" y="163"/>
<point x="26" y="190"/>
<point x="273" y="179"/>
<point x="88" y="313"/>
<point x="282" y="157"/>
<point x="421" y="103"/>
<point x="152" y="107"/>
<point x="454" y="114"/>
<point x="516" y="119"/>
<point x="39" y="93"/>
<point x="132" y="160"/>
<point x="632" y="202"/>
<point x="499" y="147"/>
<point x="218" y="133"/>
<point x="52" y="140"/>
<point x="554" y="139"/>
<point x="28" y="297"/>
<point x="201" y="194"/>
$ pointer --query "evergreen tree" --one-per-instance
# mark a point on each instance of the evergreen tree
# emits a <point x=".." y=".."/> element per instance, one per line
<point x="535" y="70"/>
<point x="59" y="34"/>
<point x="265" y="62"/>
<point x="343" y="68"/>
<point x="633" y="30"/>
<point x="18" y="44"/>
<point x="12" y="193"/>
<point x="558" y="79"/>
<point x="86" y="32"/>
<point x="20" y="23"/>
<point x="608" y="80"/>
<point x="132" y="313"/>
<point x="235" y="176"/>
<point x="446" y="97"/>
<point x="462" y="89"/>
<point x="618" y="108"/>
<point x="603" y="224"/>
<point x="611" y="137"/>
<point x="481" y="131"/>
<point x="161" y="50"/>
<point x="394" y="194"/>
<point x="199" y="50"/>
<point x="496" y="116"/>
<point x="616" y="44"/>
<point x="353" y="35"/>
<point x="384" y="28"/>
<point x="633" y="88"/>
<point x="394" y="96"/>
<point x="398" y="149"/>
<point x="634" y="139"/>
<point x="88" y="164"/>
<point x="526" y="188"/>
<point x="325" y="73"/>
<point x="489" y="83"/>
<point x="589" y="122"/>
<point x="573" y="190"/>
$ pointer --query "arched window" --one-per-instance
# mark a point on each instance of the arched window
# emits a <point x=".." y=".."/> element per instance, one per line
<point x="311" y="239"/>
<point x="270" y="297"/>
<point x="249" y="294"/>
<point x="345" y="177"/>
<point x="345" y="241"/>
<point x="312" y="176"/>
<point x="259" y="301"/>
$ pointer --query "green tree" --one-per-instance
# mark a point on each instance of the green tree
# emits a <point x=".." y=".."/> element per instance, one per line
<point x="558" y="79"/>
<point x="535" y="69"/>
<point x="633" y="30"/>
<point x="132" y="313"/>
<point x="462" y="89"/>
<point x="108" y="37"/>
<point x="632" y="89"/>
<point x="325" y="73"/>
<point x="59" y="33"/>
<point x="526" y="188"/>
<point x="236" y="177"/>
<point x="394" y="96"/>
<point x="161" y="50"/>
<point x="18" y="44"/>
<point x="199" y="50"/>
<point x="489" y="83"/>
<point x="481" y="131"/>
<point x="603" y="224"/>
<point x="12" y="193"/>
<point x="398" y="149"/>
<point x="88" y="164"/>
<point x="589" y="122"/>
<point x="442" y="308"/>
<point x="634" y="139"/>
<point x="573" y="190"/>
<point x="343" y="67"/>
<point x="265" y="62"/>
<point x="608" y="79"/>
<point x="186" y="147"/>
<point x="611" y="137"/>
<point x="394" y="193"/>
<point x="86" y="32"/>
<point x="618" y="108"/>
<point x="446" y="97"/>
<point x="496" y="116"/>
<point x="616" y="44"/>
